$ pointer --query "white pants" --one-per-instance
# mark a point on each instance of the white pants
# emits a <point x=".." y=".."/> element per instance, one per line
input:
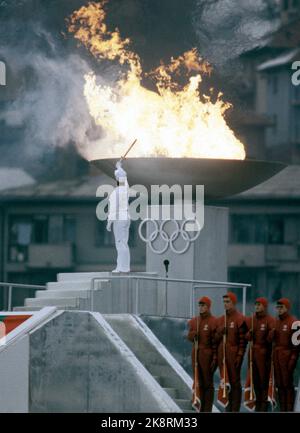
<point x="121" y="233"/>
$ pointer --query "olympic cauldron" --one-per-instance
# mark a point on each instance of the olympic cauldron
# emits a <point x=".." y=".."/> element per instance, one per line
<point x="220" y="177"/>
<point x="206" y="257"/>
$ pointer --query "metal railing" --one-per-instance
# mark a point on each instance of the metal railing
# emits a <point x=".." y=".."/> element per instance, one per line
<point x="194" y="285"/>
<point x="11" y="286"/>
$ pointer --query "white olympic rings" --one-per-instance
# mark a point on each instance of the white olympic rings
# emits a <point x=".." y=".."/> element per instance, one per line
<point x="169" y="239"/>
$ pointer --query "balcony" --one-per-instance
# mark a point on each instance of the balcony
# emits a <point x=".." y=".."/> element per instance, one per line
<point x="51" y="256"/>
<point x="246" y="255"/>
<point x="282" y="253"/>
<point x="284" y="256"/>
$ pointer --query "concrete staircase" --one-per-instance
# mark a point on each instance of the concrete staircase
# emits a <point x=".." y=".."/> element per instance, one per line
<point x="66" y="293"/>
<point x="129" y="330"/>
<point x="70" y="291"/>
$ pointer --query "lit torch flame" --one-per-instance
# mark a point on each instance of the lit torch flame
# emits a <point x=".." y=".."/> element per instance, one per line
<point x="173" y="121"/>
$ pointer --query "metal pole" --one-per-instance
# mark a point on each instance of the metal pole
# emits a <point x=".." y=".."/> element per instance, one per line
<point x="137" y="288"/>
<point x="9" y="297"/>
<point x="166" y="298"/>
<point x="192" y="301"/>
<point x="244" y="299"/>
<point x="92" y="295"/>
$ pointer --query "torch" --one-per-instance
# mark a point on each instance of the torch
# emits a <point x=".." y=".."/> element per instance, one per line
<point x="128" y="150"/>
<point x="251" y="361"/>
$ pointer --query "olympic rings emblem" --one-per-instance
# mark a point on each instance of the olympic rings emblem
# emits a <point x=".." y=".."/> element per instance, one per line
<point x="169" y="239"/>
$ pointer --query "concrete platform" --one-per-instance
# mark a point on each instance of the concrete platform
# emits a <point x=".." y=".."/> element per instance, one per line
<point x="78" y="362"/>
<point x="111" y="294"/>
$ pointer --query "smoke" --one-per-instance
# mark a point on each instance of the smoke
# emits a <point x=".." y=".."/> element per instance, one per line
<point x="46" y="105"/>
<point x="227" y="28"/>
<point x="50" y="106"/>
<point x="49" y="109"/>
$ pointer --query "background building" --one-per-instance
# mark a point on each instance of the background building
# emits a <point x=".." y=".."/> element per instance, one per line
<point x="264" y="238"/>
<point x="52" y="227"/>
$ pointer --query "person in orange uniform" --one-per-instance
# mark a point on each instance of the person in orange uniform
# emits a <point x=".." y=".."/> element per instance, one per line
<point x="285" y="355"/>
<point x="236" y="344"/>
<point x="202" y="328"/>
<point x="260" y="327"/>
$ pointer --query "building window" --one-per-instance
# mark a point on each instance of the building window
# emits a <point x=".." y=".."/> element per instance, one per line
<point x="248" y="229"/>
<point x="20" y="236"/>
<point x="38" y="229"/>
<point x="133" y="233"/>
<point x="297" y="124"/>
<point x="283" y="284"/>
<point x="69" y="229"/>
<point x="275" y="230"/>
<point x="274" y="84"/>
<point x="257" y="229"/>
<point x="104" y="238"/>
<point x="275" y="122"/>
<point x="248" y="276"/>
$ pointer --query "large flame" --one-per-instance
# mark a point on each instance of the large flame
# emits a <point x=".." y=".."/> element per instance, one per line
<point x="175" y="121"/>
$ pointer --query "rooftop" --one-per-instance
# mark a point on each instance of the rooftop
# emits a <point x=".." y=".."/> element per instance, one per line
<point x="281" y="60"/>
<point x="283" y="186"/>
<point x="14" y="177"/>
<point x="81" y="188"/>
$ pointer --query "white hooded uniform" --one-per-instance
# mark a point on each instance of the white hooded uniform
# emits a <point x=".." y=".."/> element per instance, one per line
<point x="119" y="216"/>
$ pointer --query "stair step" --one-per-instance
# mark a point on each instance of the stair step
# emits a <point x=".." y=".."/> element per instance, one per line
<point x="159" y="370"/>
<point x="46" y="302"/>
<point x="27" y="308"/>
<point x="77" y="285"/>
<point x="171" y="391"/>
<point x="79" y="276"/>
<point x="62" y="293"/>
<point x="184" y="404"/>
<point x="159" y="379"/>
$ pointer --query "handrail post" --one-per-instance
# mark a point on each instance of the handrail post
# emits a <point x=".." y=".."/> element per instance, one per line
<point x="166" y="298"/>
<point x="244" y="299"/>
<point x="137" y="296"/>
<point x="92" y="294"/>
<point x="9" y="298"/>
<point x="192" y="301"/>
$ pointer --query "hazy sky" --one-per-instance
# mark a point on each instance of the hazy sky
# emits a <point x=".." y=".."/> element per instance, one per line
<point x="49" y="110"/>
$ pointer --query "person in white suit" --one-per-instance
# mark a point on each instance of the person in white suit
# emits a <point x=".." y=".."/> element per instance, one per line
<point x="118" y="216"/>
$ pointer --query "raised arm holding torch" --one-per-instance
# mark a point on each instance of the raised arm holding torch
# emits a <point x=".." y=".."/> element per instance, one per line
<point x="119" y="217"/>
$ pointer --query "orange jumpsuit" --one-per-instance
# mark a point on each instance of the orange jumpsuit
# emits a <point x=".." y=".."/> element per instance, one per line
<point x="236" y="343"/>
<point x="261" y="356"/>
<point x="207" y="356"/>
<point x="285" y="356"/>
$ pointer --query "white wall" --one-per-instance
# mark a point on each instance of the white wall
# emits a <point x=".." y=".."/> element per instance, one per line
<point x="14" y="377"/>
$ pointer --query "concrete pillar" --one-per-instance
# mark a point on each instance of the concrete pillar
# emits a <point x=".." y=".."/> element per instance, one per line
<point x="205" y="259"/>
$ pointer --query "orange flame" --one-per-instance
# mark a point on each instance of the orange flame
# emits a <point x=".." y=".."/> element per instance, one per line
<point x="174" y="121"/>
